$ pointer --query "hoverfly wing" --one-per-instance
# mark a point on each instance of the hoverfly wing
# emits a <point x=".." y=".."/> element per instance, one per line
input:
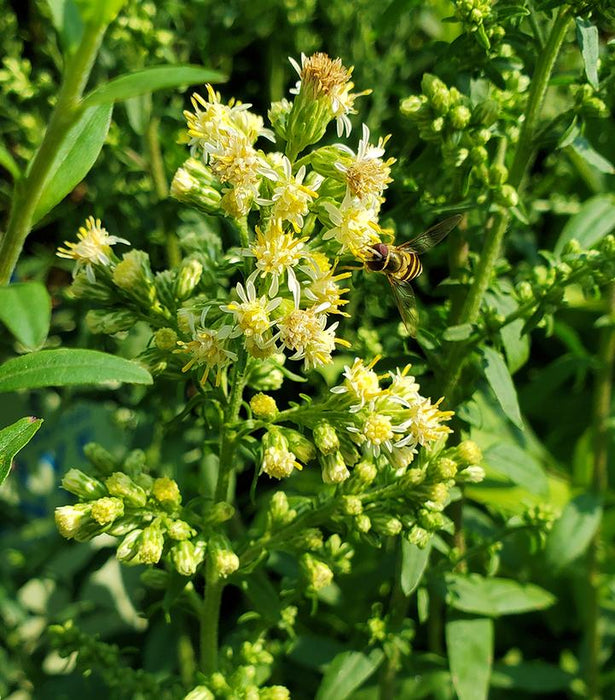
<point x="406" y="303"/>
<point x="428" y="239"/>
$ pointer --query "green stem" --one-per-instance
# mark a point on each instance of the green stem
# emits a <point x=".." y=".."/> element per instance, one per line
<point x="28" y="192"/>
<point x="602" y="413"/>
<point x="210" y="619"/>
<point x="524" y="154"/>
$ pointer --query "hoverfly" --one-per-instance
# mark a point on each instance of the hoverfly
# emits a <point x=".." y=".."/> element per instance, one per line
<point x="401" y="264"/>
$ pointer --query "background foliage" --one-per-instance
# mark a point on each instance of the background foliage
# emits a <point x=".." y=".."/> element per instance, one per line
<point x="544" y="595"/>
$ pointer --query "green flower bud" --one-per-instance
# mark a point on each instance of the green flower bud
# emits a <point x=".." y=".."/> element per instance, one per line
<point x="100" y="458"/>
<point x="188" y="277"/>
<point x="179" y="530"/>
<point x="317" y="573"/>
<point x="278" y="116"/>
<point x="264" y="406"/>
<point x="412" y="104"/>
<point x="72" y="521"/>
<point x="109" y="322"/>
<point x="419" y="537"/>
<point x="156" y="579"/>
<point x="324" y="161"/>
<point x="507" y="196"/>
<point x="525" y="292"/>
<point x="186" y="556"/>
<point x="122" y="486"/>
<point x="127" y="549"/>
<point x="201" y="692"/>
<point x="460" y="117"/>
<point x="365" y="472"/>
<point x="363" y="523"/>
<point x="430" y="520"/>
<point x="325" y="438"/>
<point x="299" y="445"/>
<point x="222" y="558"/>
<point x="134" y="275"/>
<point x="166" y="491"/>
<point x="267" y="375"/>
<point x="387" y="525"/>
<point x="165" y="339"/>
<point x="437" y="125"/>
<point x="443" y="469"/>
<point x="279" y="512"/>
<point x="106" y="510"/>
<point x="134" y="464"/>
<point x="411" y="479"/>
<point x="437" y="496"/>
<point x="125" y="524"/>
<point x="149" y="545"/>
<point x="498" y="174"/>
<point x="607" y="245"/>
<point x="479" y="155"/>
<point x="352" y="505"/>
<point x="310" y="539"/>
<point x="219" y="513"/>
<point x="472" y="474"/>
<point x="334" y="469"/>
<point x="431" y="86"/>
<point x="77" y="482"/>
<point x="98" y="291"/>
<point x="196" y="185"/>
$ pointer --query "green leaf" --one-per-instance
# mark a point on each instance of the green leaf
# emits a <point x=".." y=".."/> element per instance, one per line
<point x="99" y="13"/>
<point x="573" y="531"/>
<point x="14" y="438"/>
<point x="583" y="148"/>
<point x="66" y="366"/>
<point x="67" y="22"/>
<point x="531" y="677"/>
<point x="76" y="155"/>
<point x="519" y="466"/>
<point x="149" y="80"/>
<point x="25" y="309"/>
<point x="589" y="43"/>
<point x="413" y="563"/>
<point x="139" y="111"/>
<point x="457" y="333"/>
<point x="494" y="596"/>
<point x="595" y="219"/>
<point x="501" y="382"/>
<point x="469" y="643"/>
<point x="347" y="672"/>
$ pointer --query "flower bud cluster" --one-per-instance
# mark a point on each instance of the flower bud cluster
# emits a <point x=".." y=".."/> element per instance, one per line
<point x="147" y="515"/>
<point x="478" y="18"/>
<point x="462" y="130"/>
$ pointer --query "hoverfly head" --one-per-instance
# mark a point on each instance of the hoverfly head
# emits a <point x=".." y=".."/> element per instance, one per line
<point x="377" y="256"/>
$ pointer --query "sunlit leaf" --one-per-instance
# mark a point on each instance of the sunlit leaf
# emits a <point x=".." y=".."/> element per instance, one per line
<point x="347" y="672"/>
<point x="587" y="36"/>
<point x="469" y="643"/>
<point x="25" y="309"/>
<point x="573" y="530"/>
<point x="501" y="382"/>
<point x="75" y="157"/>
<point x="413" y="563"/>
<point x="150" y="80"/>
<point x="68" y="366"/>
<point x="595" y="219"/>
<point x="14" y="438"/>
<point x="67" y="22"/>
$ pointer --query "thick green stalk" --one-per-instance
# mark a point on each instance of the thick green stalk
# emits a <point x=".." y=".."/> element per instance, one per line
<point x="524" y="154"/>
<point x="602" y="414"/>
<point x="210" y="619"/>
<point x="28" y="191"/>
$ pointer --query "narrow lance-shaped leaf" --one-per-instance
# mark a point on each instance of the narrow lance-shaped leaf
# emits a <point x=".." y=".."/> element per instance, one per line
<point x="99" y="13"/>
<point x="347" y="672"/>
<point x="583" y="147"/>
<point x="499" y="379"/>
<point x="470" y="652"/>
<point x="413" y="563"/>
<point x="66" y="366"/>
<point x="595" y="219"/>
<point x="25" y="309"/>
<point x="587" y="36"/>
<point x="67" y="22"/>
<point x="150" y="80"/>
<point x="77" y="154"/>
<point x="14" y="438"/>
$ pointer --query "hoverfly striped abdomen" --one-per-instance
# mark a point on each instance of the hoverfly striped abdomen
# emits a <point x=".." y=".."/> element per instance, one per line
<point x="401" y="265"/>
